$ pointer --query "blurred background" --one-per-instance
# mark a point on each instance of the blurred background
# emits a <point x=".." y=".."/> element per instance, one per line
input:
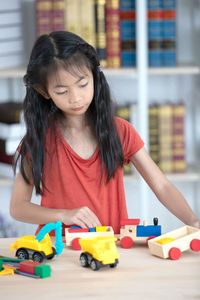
<point x="149" y="52"/>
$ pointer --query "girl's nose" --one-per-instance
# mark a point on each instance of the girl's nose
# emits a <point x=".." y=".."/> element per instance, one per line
<point x="75" y="97"/>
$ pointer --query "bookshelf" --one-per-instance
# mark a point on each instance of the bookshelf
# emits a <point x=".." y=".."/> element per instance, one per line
<point x="142" y="81"/>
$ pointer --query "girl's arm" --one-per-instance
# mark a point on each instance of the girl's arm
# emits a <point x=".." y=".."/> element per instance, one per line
<point x="168" y="195"/>
<point x="23" y="210"/>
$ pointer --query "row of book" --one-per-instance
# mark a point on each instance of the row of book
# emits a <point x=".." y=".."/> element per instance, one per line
<point x="110" y="26"/>
<point x="166" y="134"/>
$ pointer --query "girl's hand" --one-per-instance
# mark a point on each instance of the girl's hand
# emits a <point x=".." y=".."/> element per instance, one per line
<point x="196" y="224"/>
<point x="82" y="216"/>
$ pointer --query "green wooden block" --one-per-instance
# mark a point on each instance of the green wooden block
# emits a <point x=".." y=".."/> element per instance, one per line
<point x="43" y="271"/>
<point x="1" y="264"/>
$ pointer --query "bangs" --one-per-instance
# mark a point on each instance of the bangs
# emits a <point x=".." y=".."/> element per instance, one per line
<point x="77" y="65"/>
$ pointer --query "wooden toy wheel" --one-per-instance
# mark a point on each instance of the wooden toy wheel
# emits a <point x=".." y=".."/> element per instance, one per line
<point x="127" y="242"/>
<point x="195" y="245"/>
<point x="174" y="253"/>
<point x="75" y="244"/>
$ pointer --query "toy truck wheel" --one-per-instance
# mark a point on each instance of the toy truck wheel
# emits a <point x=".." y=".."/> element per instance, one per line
<point x="84" y="260"/>
<point x="174" y="253"/>
<point x="195" y="245"/>
<point x="22" y="253"/>
<point x="37" y="256"/>
<point x="53" y="253"/>
<point x="115" y="264"/>
<point x="95" y="265"/>
<point x="75" y="244"/>
<point x="126" y="242"/>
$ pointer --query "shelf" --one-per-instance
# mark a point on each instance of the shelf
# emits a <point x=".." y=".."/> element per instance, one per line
<point x="132" y="72"/>
<point x="190" y="176"/>
<point x="12" y="73"/>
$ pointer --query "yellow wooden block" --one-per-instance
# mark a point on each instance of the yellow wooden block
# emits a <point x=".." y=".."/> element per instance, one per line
<point x="7" y="272"/>
<point x="101" y="228"/>
<point x="165" y="240"/>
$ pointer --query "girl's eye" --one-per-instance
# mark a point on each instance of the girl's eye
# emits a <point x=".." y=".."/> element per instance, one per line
<point x="62" y="93"/>
<point x="83" y="85"/>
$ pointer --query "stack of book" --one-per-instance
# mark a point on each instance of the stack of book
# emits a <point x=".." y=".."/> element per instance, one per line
<point x="167" y="136"/>
<point x="12" y="129"/>
<point x="11" y="37"/>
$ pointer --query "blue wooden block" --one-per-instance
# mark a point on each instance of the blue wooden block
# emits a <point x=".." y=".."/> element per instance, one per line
<point x="92" y="229"/>
<point x="149" y="230"/>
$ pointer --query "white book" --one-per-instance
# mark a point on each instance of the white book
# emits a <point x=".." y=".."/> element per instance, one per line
<point x="11" y="145"/>
<point x="12" y="131"/>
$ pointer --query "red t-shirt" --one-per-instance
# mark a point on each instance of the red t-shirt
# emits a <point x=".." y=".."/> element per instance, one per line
<point x="73" y="182"/>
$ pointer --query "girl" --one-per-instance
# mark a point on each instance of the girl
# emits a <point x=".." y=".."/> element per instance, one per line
<point x="74" y="148"/>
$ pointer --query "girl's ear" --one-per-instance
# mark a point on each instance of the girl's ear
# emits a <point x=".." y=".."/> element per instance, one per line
<point x="40" y="90"/>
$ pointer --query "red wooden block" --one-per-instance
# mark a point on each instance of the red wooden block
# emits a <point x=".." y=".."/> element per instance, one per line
<point x="28" y="266"/>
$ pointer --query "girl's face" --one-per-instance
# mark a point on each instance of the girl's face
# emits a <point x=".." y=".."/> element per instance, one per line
<point x="72" y="93"/>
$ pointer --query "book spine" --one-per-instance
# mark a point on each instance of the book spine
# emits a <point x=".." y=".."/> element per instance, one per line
<point x="100" y="30"/>
<point x="72" y="16"/>
<point x="165" y="118"/>
<point x="169" y="32"/>
<point x="153" y="133"/>
<point x="179" y="158"/>
<point x="88" y="21"/>
<point x="10" y="112"/>
<point x="58" y="15"/>
<point x="44" y="11"/>
<point x="155" y="32"/>
<point x="128" y="33"/>
<point x="113" y="34"/>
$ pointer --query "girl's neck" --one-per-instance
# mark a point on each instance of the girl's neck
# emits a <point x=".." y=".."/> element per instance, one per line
<point x="74" y="123"/>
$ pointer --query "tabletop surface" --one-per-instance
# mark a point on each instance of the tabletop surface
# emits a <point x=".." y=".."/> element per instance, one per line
<point x="139" y="275"/>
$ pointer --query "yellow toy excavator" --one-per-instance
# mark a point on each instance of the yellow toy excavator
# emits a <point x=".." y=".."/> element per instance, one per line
<point x="40" y="246"/>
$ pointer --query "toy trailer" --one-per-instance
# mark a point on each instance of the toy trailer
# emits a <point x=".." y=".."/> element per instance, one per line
<point x="99" y="252"/>
<point x="72" y="235"/>
<point x="170" y="245"/>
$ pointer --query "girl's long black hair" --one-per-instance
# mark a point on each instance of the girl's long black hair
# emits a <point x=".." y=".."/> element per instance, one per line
<point x="49" y="52"/>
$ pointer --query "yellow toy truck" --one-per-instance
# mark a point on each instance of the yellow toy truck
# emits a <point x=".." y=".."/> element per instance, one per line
<point x="99" y="252"/>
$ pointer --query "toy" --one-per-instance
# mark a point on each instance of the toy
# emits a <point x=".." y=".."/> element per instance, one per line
<point x="170" y="245"/>
<point x="40" y="246"/>
<point x="131" y="231"/>
<point x="74" y="233"/>
<point x="99" y="252"/>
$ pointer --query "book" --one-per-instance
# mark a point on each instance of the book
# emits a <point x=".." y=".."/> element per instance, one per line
<point x="128" y="33"/>
<point x="113" y="44"/>
<point x="9" y="146"/>
<point x="15" y="130"/>
<point x="88" y="21"/>
<point x="72" y="16"/>
<point x="58" y="15"/>
<point x="165" y="131"/>
<point x="44" y="13"/>
<point x="153" y="133"/>
<point x="178" y="139"/>
<point x="11" y="112"/>
<point x="100" y="30"/>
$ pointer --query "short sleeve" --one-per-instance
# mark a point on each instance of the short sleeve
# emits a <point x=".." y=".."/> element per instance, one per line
<point x="130" y="139"/>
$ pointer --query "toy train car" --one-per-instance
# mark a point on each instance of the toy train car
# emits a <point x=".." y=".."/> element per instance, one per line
<point x="132" y="231"/>
<point x="74" y="233"/>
